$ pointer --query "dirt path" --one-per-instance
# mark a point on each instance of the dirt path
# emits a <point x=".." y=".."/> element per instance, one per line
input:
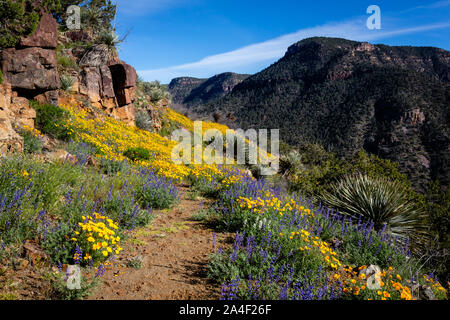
<point x="174" y="252"/>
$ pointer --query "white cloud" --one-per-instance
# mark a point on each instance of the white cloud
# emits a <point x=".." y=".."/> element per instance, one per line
<point x="272" y="50"/>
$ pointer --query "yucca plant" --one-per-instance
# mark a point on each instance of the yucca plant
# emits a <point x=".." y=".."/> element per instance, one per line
<point x="291" y="163"/>
<point x="66" y="82"/>
<point x="379" y="200"/>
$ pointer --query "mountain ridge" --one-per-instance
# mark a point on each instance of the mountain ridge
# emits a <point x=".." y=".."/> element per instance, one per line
<point x="187" y="91"/>
<point x="348" y="96"/>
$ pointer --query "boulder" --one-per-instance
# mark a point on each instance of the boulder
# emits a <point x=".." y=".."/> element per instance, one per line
<point x="91" y="83"/>
<point x="30" y="69"/>
<point x="21" y="111"/>
<point x="126" y="113"/>
<point x="131" y="76"/>
<point x="58" y="155"/>
<point x="107" y="82"/>
<point x="10" y="140"/>
<point x="45" y="35"/>
<point x="109" y="104"/>
<point x="48" y="97"/>
<point x="95" y="57"/>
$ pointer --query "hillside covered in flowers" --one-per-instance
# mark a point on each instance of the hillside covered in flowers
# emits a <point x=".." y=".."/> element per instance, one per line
<point x="79" y="209"/>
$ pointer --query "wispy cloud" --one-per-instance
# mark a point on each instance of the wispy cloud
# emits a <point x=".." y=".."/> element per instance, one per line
<point x="435" y="5"/>
<point x="274" y="49"/>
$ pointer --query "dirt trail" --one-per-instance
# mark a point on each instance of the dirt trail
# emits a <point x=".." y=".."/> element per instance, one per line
<point x="174" y="251"/>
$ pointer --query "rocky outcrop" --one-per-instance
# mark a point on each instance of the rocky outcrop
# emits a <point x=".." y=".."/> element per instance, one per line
<point x="45" y="35"/>
<point x="104" y="80"/>
<point x="30" y="71"/>
<point x="31" y="67"/>
<point x="14" y="111"/>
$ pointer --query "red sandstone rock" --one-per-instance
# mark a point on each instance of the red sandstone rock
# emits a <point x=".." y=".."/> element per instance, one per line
<point x="30" y="68"/>
<point x="45" y="35"/>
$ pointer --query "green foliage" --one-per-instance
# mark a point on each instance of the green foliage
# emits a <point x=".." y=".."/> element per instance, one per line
<point x="378" y="200"/>
<point x="31" y="143"/>
<point x="58" y="244"/>
<point x="312" y="169"/>
<point x="127" y="213"/>
<point x="167" y="127"/>
<point x="143" y="120"/>
<point x="113" y="167"/>
<point x="110" y="40"/>
<point x="62" y="292"/>
<point x="65" y="63"/>
<point x="1" y="77"/>
<point x="17" y="20"/>
<point x="98" y="15"/>
<point x="137" y="154"/>
<point x="66" y="83"/>
<point x="153" y="91"/>
<point x="51" y="120"/>
<point x="156" y="197"/>
<point x="135" y="263"/>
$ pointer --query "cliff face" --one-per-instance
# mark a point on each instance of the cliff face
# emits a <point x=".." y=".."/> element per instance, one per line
<point x="32" y="70"/>
<point x="100" y="77"/>
<point x="346" y="95"/>
<point x="192" y="92"/>
<point x="180" y="88"/>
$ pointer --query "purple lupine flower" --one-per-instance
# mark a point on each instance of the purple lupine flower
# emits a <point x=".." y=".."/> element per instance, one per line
<point x="100" y="271"/>
<point x="78" y="255"/>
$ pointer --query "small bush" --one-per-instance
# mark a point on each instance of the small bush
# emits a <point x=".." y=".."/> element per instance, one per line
<point x="113" y="167"/>
<point x="66" y="83"/>
<point x="157" y="193"/>
<point x="52" y="120"/>
<point x="127" y="213"/>
<point x="65" y="63"/>
<point x="58" y="244"/>
<point x="1" y="77"/>
<point x="143" y="120"/>
<point x="32" y="141"/>
<point x="135" y="263"/>
<point x="137" y="154"/>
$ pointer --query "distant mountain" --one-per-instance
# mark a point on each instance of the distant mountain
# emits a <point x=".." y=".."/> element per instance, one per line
<point x="193" y="92"/>
<point x="347" y="95"/>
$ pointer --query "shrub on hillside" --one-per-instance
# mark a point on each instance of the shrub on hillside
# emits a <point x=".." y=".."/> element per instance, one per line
<point x="137" y="154"/>
<point x="66" y="83"/>
<point x="157" y="193"/>
<point x="143" y="120"/>
<point x="51" y="120"/>
<point x="65" y="62"/>
<point x="17" y="20"/>
<point x="32" y="140"/>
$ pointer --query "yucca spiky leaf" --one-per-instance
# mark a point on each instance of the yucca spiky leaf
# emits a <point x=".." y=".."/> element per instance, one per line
<point x="380" y="201"/>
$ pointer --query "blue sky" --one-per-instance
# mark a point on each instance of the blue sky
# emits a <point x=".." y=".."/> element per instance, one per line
<point x="201" y="38"/>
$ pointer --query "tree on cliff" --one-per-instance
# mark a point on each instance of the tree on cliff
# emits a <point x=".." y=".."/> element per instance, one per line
<point x="19" y="18"/>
